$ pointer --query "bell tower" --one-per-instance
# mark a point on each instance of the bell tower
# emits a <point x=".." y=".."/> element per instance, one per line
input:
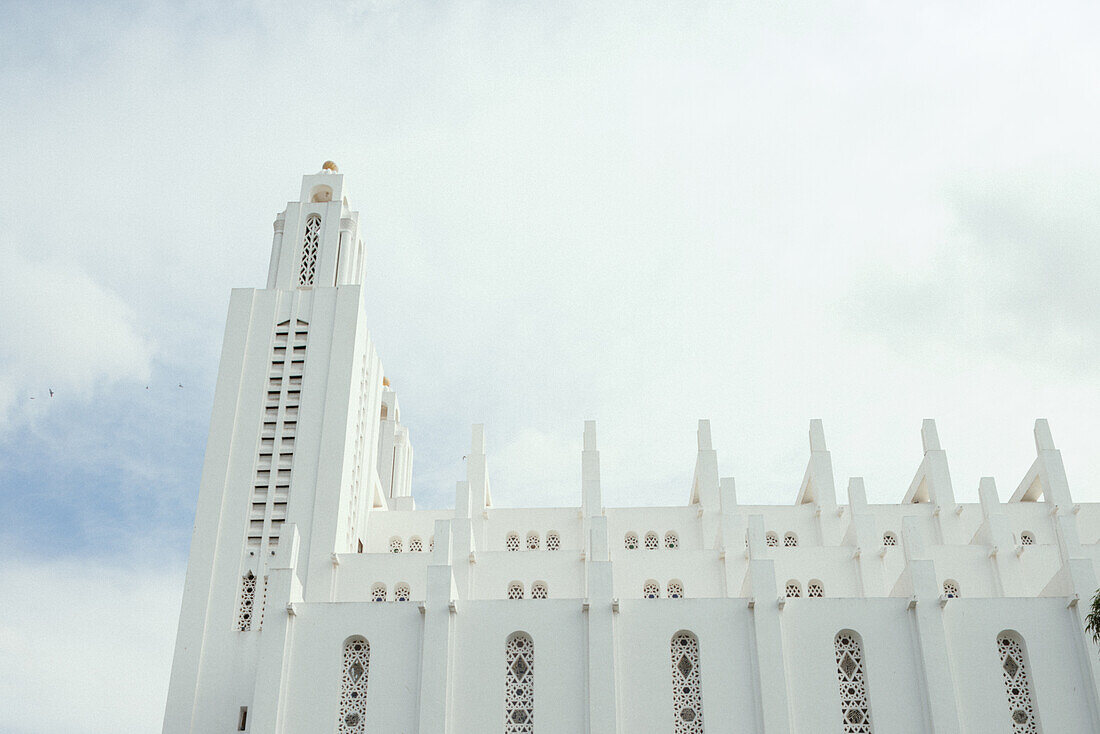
<point x="302" y="413"/>
<point x="316" y="242"/>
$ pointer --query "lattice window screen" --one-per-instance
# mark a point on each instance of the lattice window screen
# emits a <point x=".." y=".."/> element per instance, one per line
<point x="310" y="242"/>
<point x="248" y="602"/>
<point x="687" y="702"/>
<point x="519" y="685"/>
<point x="1017" y="677"/>
<point x="353" y="687"/>
<point x="854" y="709"/>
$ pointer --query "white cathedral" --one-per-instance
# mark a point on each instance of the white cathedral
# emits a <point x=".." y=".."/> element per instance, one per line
<point x="319" y="599"/>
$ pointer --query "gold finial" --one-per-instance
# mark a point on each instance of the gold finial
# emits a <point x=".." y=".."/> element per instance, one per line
<point x="330" y="166"/>
<point x="386" y="381"/>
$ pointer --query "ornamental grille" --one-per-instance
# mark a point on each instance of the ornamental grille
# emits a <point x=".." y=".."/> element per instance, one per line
<point x="771" y="540"/>
<point x="401" y="592"/>
<point x="651" y="590"/>
<point x="631" y="541"/>
<point x="951" y="589"/>
<point x="308" y="272"/>
<point x="515" y="590"/>
<point x="263" y="603"/>
<point x="248" y="602"/>
<point x="651" y="541"/>
<point x="815" y="590"/>
<point x="793" y="590"/>
<point x="396" y="546"/>
<point x="671" y="541"/>
<point x="1017" y="676"/>
<point x="675" y="590"/>
<point x="687" y="705"/>
<point x="512" y="542"/>
<point x="415" y="545"/>
<point x="378" y="592"/>
<point x="553" y="542"/>
<point x="353" y="687"/>
<point x="889" y="539"/>
<point x="790" y="540"/>
<point x="519" y="685"/>
<point x="278" y="432"/>
<point x="533" y="542"/>
<point x="854" y="710"/>
<point x="539" y="590"/>
<point x="1027" y="538"/>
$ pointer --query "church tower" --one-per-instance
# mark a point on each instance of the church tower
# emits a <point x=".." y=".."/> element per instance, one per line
<point x="302" y="414"/>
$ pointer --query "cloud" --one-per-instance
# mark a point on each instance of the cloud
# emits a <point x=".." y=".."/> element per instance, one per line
<point x="1014" y="276"/>
<point x="70" y="334"/>
<point x="93" y="640"/>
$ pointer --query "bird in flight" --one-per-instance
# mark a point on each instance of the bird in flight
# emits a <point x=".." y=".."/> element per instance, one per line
<point x="51" y="392"/>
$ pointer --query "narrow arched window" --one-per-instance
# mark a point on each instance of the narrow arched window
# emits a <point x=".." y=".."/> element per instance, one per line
<point x="815" y="589"/>
<point x="396" y="545"/>
<point x="771" y="539"/>
<point x="889" y="539"/>
<point x="951" y="589"/>
<point x="630" y="540"/>
<point x="790" y="540"/>
<point x="855" y="712"/>
<point x="431" y="543"/>
<point x="675" y="589"/>
<point x="539" y="590"/>
<point x="687" y="703"/>
<point x="308" y="271"/>
<point x="515" y="590"/>
<point x="378" y="592"/>
<point x="415" y="545"/>
<point x="519" y="684"/>
<point x="401" y="592"/>
<point x="1026" y="538"/>
<point x="671" y="540"/>
<point x="651" y="542"/>
<point x="553" y="541"/>
<point x="248" y="602"/>
<point x="651" y="590"/>
<point x="1017" y="677"/>
<point x="533" y="541"/>
<point x="353" y="687"/>
<point x="512" y="542"/>
<point x="793" y="589"/>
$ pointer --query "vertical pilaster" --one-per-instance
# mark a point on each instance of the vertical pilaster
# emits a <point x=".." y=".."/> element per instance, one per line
<point x="997" y="535"/>
<point x="868" y="542"/>
<point x="603" y="703"/>
<point x="284" y="591"/>
<point x="768" y="659"/>
<point x="940" y="701"/>
<point x="437" y="642"/>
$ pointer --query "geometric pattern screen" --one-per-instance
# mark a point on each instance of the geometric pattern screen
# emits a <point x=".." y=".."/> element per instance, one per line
<point x="1017" y="677"/>
<point x="519" y="685"/>
<point x="312" y="239"/>
<point x="353" y="687"/>
<point x="686" y="699"/>
<point x="854" y="709"/>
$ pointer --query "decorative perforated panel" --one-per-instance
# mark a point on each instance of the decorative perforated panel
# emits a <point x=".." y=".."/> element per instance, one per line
<point x="1017" y="677"/>
<point x="248" y="602"/>
<point x="519" y="685"/>
<point x="854" y="710"/>
<point x="312" y="239"/>
<point x="687" y="704"/>
<point x="353" y="687"/>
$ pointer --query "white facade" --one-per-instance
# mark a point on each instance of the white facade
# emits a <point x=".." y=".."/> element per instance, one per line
<point x="318" y="599"/>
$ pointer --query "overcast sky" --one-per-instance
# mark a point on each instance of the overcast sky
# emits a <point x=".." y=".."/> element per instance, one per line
<point x="642" y="214"/>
